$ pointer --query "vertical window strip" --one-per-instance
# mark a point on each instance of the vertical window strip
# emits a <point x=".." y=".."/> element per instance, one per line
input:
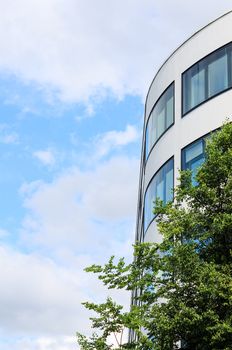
<point x="160" y="119"/>
<point x="193" y="155"/>
<point x="161" y="186"/>
<point x="229" y="54"/>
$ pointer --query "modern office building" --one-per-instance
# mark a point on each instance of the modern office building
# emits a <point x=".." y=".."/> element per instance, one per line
<point x="190" y="96"/>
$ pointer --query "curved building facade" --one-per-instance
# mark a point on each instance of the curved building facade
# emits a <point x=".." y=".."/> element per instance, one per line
<point x="190" y="96"/>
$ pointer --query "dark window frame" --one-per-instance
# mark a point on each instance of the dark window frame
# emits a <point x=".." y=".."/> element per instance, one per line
<point x="207" y="57"/>
<point x="191" y="143"/>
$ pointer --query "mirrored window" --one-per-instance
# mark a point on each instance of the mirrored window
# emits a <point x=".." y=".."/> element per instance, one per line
<point x="218" y="73"/>
<point x="161" y="118"/>
<point x="193" y="156"/>
<point x="207" y="78"/>
<point x="161" y="186"/>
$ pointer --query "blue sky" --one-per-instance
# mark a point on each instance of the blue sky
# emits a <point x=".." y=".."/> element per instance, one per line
<point x="73" y="79"/>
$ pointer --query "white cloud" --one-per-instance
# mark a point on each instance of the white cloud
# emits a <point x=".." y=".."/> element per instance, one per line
<point x="72" y="209"/>
<point x="41" y="343"/>
<point x="111" y="140"/>
<point x="39" y="297"/>
<point x="84" y="49"/>
<point x="48" y="343"/>
<point x="41" y="300"/>
<point x="80" y="218"/>
<point x="46" y="157"/>
<point x="7" y="136"/>
<point x="88" y="113"/>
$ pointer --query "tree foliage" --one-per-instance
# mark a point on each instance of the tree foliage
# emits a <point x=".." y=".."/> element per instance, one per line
<point x="182" y="287"/>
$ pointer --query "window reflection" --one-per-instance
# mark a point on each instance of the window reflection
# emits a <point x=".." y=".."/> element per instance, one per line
<point x="160" y="187"/>
<point x="218" y="74"/>
<point x="193" y="156"/>
<point x="161" y="118"/>
<point x="207" y="78"/>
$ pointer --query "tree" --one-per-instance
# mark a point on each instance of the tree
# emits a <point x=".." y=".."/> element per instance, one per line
<point x="183" y="285"/>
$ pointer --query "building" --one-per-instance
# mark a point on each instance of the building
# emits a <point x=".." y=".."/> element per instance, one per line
<point x="190" y="96"/>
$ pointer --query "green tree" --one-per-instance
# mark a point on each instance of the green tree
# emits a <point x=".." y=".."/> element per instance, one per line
<point x="182" y="287"/>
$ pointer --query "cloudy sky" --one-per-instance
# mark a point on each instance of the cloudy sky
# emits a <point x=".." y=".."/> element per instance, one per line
<point x="73" y="78"/>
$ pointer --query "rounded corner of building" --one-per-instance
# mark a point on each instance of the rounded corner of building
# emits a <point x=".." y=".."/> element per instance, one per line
<point x="188" y="98"/>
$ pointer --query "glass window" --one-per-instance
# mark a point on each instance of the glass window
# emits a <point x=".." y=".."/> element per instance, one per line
<point x="148" y="133"/>
<point x="194" y="87"/>
<point x="207" y="78"/>
<point x="197" y="88"/>
<point x="218" y="74"/>
<point x="193" y="152"/>
<point x="160" y="124"/>
<point x="161" y="118"/>
<point x="161" y="186"/>
<point x="170" y="111"/>
<point x="169" y="183"/>
<point x="193" y="156"/>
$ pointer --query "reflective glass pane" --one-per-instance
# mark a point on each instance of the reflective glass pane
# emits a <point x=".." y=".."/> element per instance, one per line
<point x="230" y="65"/>
<point x="160" y="119"/>
<point x="160" y="124"/>
<point x="169" y="186"/>
<point x="194" y="167"/>
<point x="150" y="130"/>
<point x="160" y="187"/>
<point x="218" y="75"/>
<point x="149" y="204"/>
<point x="194" y="87"/>
<point x="185" y="88"/>
<point x="193" y="157"/>
<point x="197" y="86"/>
<point x="207" y="78"/>
<point x="147" y="140"/>
<point x="193" y="151"/>
<point x="169" y="112"/>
